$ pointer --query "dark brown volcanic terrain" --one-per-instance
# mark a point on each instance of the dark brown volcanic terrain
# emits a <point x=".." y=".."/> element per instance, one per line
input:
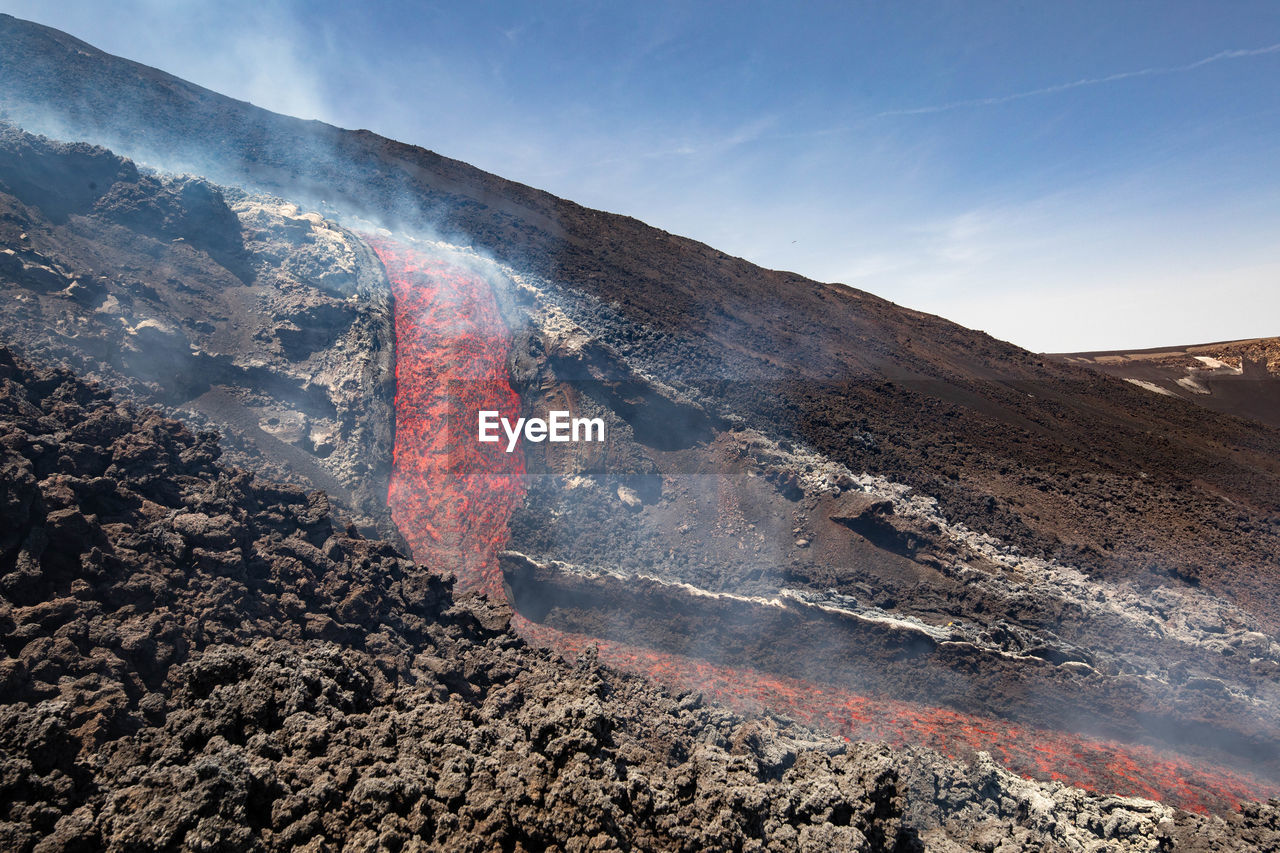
<point x="939" y="516"/>
<point x="198" y="659"/>
<point x="1234" y="377"/>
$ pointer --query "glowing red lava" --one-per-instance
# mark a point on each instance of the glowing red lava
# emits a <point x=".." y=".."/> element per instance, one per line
<point x="1092" y="764"/>
<point x="451" y="498"/>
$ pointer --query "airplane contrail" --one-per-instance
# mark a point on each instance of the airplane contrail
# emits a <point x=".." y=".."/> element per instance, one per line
<point x="1087" y="81"/>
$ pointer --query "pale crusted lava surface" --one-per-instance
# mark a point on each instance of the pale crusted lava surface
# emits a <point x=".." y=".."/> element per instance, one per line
<point x="235" y="311"/>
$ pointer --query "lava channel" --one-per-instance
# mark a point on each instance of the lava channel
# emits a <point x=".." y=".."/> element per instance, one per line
<point x="450" y="496"/>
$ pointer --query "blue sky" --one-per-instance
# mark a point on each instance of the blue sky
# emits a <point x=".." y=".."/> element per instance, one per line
<point x="1065" y="176"/>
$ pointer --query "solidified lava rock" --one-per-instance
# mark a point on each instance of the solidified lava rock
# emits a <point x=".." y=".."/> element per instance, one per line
<point x="237" y="311"/>
<point x="60" y="180"/>
<point x="198" y="659"/>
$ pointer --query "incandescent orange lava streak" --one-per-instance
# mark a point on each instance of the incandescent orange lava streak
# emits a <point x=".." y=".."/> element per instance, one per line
<point x="1092" y="764"/>
<point x="452" y="497"/>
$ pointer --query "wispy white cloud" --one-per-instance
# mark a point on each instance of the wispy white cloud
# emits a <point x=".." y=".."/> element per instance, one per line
<point x="1154" y="71"/>
<point x="1098" y="267"/>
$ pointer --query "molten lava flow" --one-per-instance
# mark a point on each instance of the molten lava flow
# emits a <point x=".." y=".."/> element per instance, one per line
<point x="450" y="496"/>
<point x="1098" y="765"/>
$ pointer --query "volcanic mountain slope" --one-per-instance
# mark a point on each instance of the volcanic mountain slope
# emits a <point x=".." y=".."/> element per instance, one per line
<point x="1064" y="552"/>
<point x="195" y="658"/>
<point x="1040" y="454"/>
<point x="1235" y="377"/>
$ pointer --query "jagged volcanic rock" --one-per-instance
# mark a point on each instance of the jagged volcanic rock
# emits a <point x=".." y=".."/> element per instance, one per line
<point x="199" y="659"/>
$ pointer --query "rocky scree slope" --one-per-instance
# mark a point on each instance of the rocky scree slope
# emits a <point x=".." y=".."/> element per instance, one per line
<point x="194" y="658"/>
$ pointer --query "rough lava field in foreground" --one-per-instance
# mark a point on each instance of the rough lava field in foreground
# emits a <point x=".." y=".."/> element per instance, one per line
<point x="197" y="658"/>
